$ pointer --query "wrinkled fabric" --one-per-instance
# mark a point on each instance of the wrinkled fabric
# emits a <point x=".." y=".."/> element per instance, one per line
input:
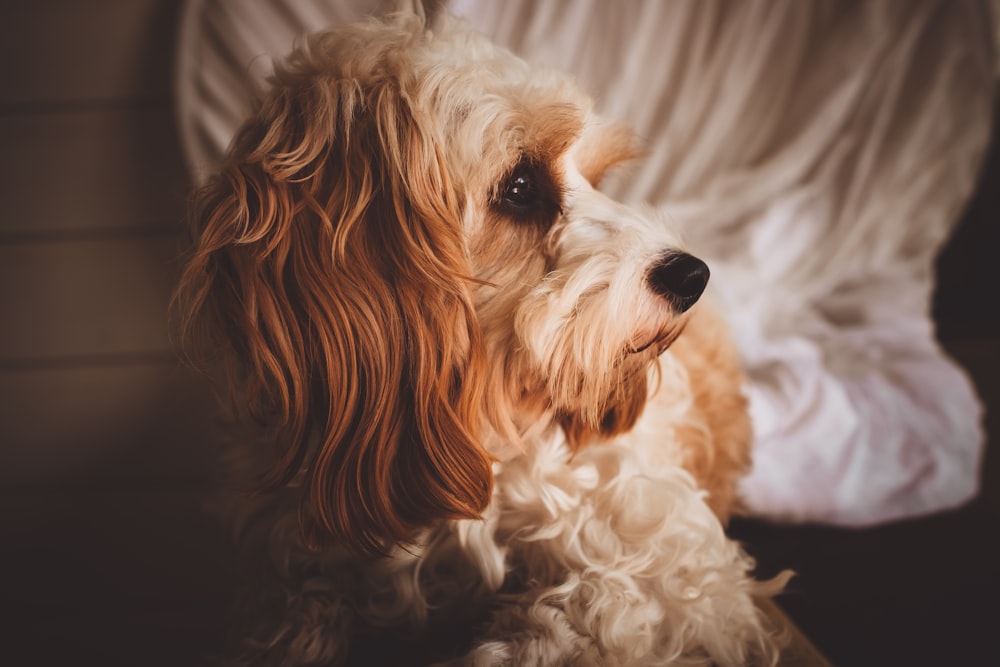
<point x="816" y="154"/>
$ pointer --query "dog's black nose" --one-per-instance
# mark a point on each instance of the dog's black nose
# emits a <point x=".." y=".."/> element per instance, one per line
<point x="680" y="278"/>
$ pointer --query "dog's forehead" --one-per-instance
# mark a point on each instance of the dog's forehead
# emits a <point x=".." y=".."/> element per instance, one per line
<point x="471" y="79"/>
<point x="499" y="109"/>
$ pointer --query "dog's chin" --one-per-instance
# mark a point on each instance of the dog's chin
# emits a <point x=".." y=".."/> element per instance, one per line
<point x="653" y="344"/>
<point x="620" y="405"/>
<point x="640" y="348"/>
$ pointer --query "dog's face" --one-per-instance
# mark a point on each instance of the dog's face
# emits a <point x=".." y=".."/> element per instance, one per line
<point x="408" y="265"/>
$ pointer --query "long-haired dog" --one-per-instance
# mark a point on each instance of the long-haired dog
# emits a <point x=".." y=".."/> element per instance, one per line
<point x="500" y="415"/>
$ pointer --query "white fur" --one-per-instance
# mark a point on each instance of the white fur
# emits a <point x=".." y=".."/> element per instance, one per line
<point x="592" y="559"/>
<point x="627" y="566"/>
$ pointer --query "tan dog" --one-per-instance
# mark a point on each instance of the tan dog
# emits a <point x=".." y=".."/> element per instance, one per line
<point x="474" y="366"/>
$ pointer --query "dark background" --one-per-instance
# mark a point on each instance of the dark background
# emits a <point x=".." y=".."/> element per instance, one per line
<point x="106" y="448"/>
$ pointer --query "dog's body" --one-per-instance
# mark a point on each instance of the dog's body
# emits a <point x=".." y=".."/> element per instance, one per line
<point x="472" y="361"/>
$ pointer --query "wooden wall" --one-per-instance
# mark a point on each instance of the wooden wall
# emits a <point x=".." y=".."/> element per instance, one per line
<point x="105" y="553"/>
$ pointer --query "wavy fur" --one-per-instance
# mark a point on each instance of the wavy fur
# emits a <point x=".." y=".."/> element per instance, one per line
<point x="450" y="333"/>
<point x="330" y="260"/>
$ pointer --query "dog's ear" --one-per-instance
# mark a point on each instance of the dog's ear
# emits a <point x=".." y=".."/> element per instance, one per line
<point x="330" y="259"/>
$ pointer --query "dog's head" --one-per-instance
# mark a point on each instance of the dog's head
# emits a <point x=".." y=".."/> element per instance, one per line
<point x="407" y="263"/>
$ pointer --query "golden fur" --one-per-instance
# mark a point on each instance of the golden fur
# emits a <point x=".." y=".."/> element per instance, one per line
<point x="717" y="433"/>
<point x="404" y="327"/>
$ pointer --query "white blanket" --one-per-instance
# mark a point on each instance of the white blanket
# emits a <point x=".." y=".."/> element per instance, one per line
<point x="816" y="154"/>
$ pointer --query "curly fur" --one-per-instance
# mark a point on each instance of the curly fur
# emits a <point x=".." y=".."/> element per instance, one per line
<point x="488" y="423"/>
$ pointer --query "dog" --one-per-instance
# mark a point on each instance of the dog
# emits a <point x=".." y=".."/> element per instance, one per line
<point x="505" y="429"/>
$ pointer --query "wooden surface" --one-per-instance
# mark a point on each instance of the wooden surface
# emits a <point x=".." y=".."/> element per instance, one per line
<point x="799" y="650"/>
<point x="106" y="553"/>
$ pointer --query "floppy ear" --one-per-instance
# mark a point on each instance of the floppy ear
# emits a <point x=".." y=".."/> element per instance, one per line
<point x="330" y="264"/>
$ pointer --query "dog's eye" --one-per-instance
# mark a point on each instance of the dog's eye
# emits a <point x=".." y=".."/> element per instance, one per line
<point x="529" y="194"/>
<point x="520" y="191"/>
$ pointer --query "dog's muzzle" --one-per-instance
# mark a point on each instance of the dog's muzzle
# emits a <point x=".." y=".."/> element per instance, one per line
<point x="680" y="278"/>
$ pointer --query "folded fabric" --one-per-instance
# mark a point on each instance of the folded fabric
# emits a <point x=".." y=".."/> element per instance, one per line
<point x="816" y="154"/>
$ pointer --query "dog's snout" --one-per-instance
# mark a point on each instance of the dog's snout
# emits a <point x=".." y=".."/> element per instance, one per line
<point x="680" y="278"/>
